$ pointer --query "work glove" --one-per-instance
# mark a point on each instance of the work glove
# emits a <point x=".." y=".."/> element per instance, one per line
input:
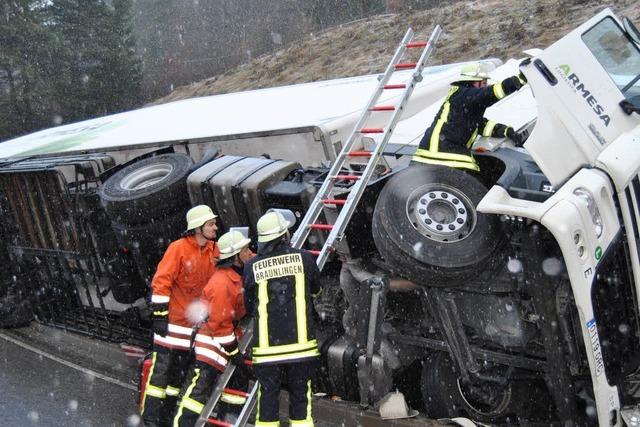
<point x="160" y="318"/>
<point x="237" y="359"/>
<point x="521" y="76"/>
<point x="514" y="136"/>
<point x="233" y="353"/>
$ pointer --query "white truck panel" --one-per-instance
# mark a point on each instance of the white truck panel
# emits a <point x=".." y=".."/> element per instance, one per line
<point x="584" y="101"/>
<point x="235" y="114"/>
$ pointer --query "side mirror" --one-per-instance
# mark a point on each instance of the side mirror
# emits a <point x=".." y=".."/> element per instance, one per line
<point x="631" y="30"/>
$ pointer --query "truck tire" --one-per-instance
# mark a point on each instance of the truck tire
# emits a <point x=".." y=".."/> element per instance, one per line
<point x="445" y="396"/>
<point x="146" y="245"/>
<point x="426" y="226"/>
<point x="150" y="188"/>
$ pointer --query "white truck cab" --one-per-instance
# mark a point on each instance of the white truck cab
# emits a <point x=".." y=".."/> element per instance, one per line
<point x="586" y="141"/>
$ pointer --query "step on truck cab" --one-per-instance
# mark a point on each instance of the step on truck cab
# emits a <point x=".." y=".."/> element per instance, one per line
<point x="507" y="296"/>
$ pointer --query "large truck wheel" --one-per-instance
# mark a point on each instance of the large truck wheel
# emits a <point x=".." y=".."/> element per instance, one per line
<point x="445" y="396"/>
<point x="150" y="188"/>
<point x="426" y="226"/>
<point x="146" y="245"/>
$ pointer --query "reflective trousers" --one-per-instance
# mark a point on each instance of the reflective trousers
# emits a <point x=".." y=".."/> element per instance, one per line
<point x="167" y="373"/>
<point x="199" y="388"/>
<point x="297" y="378"/>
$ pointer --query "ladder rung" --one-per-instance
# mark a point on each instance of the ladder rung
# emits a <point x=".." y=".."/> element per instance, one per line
<point x="416" y="44"/>
<point x="334" y="201"/>
<point x="215" y="422"/>
<point x="312" y="252"/>
<point x="395" y="86"/>
<point x="383" y="108"/>
<point x="321" y="226"/>
<point x="236" y="392"/>
<point x="347" y="177"/>
<point x="372" y="130"/>
<point x="360" y="154"/>
<point x="405" y="65"/>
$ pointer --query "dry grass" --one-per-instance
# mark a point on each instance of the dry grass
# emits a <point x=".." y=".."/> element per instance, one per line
<point x="472" y="30"/>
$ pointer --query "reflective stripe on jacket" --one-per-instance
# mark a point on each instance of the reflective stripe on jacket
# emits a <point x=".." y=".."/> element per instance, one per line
<point x="181" y="276"/>
<point x="459" y="121"/>
<point x="278" y="287"/>
<point x="224" y="297"/>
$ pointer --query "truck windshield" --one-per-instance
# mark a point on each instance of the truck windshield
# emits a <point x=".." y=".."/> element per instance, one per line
<point x="619" y="56"/>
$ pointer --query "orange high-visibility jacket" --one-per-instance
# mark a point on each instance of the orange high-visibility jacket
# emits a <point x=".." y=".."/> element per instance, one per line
<point x="225" y="300"/>
<point x="181" y="276"/>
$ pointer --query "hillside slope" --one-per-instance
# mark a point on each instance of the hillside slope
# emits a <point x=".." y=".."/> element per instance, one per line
<point x="472" y="30"/>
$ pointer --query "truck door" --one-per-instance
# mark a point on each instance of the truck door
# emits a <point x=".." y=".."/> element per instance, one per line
<point x="578" y="83"/>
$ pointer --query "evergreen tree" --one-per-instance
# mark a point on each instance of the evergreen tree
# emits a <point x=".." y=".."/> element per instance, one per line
<point x="98" y="70"/>
<point x="26" y="65"/>
<point x="65" y="60"/>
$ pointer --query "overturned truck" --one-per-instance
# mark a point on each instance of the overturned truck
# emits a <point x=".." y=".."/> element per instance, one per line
<point x="510" y="295"/>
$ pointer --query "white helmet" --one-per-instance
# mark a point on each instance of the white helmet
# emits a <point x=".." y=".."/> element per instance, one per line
<point x="198" y="215"/>
<point x="273" y="224"/>
<point x="231" y="243"/>
<point x="475" y="72"/>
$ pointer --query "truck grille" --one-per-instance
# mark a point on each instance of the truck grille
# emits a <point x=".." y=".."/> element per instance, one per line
<point x="630" y="205"/>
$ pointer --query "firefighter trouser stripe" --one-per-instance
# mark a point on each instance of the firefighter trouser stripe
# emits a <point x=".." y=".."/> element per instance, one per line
<point x="148" y="384"/>
<point x="154" y="391"/>
<point x="184" y="401"/>
<point x="308" y="421"/>
<point x="172" y="391"/>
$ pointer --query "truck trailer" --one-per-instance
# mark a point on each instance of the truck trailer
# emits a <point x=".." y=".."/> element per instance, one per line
<point x="505" y="296"/>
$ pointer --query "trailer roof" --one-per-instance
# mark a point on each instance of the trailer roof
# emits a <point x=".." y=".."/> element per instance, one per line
<point x="279" y="108"/>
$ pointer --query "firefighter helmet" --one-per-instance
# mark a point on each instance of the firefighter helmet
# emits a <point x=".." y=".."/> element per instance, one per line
<point x="198" y="215"/>
<point x="272" y="225"/>
<point x="474" y="72"/>
<point x="231" y="243"/>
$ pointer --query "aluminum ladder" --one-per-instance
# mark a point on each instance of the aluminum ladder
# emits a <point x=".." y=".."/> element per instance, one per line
<point x="325" y="196"/>
<point x="221" y="386"/>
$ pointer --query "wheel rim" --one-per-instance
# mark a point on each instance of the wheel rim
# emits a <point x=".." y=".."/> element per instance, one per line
<point x="441" y="213"/>
<point x="485" y="398"/>
<point x="146" y="176"/>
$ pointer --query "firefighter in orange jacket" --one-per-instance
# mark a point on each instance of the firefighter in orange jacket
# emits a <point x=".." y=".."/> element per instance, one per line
<point x="181" y="276"/>
<point x="216" y="342"/>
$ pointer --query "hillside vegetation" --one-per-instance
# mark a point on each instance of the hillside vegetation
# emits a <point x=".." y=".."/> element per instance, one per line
<point x="472" y="30"/>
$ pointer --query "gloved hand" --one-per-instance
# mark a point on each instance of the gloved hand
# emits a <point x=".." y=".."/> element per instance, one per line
<point x="233" y="353"/>
<point x="514" y="136"/>
<point x="521" y="76"/>
<point x="160" y="318"/>
<point x="237" y="359"/>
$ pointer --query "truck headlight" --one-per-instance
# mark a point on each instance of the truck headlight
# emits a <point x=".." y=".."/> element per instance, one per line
<point x="584" y="195"/>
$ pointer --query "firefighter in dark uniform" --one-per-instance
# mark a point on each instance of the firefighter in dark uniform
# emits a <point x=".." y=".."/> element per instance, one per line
<point x="461" y="119"/>
<point x="279" y="283"/>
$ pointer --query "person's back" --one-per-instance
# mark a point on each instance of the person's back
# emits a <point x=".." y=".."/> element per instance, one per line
<point x="461" y="119"/>
<point x="278" y="284"/>
<point x="284" y="279"/>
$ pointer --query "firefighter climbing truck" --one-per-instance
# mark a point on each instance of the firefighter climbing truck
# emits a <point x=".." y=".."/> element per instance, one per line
<point x="506" y="296"/>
